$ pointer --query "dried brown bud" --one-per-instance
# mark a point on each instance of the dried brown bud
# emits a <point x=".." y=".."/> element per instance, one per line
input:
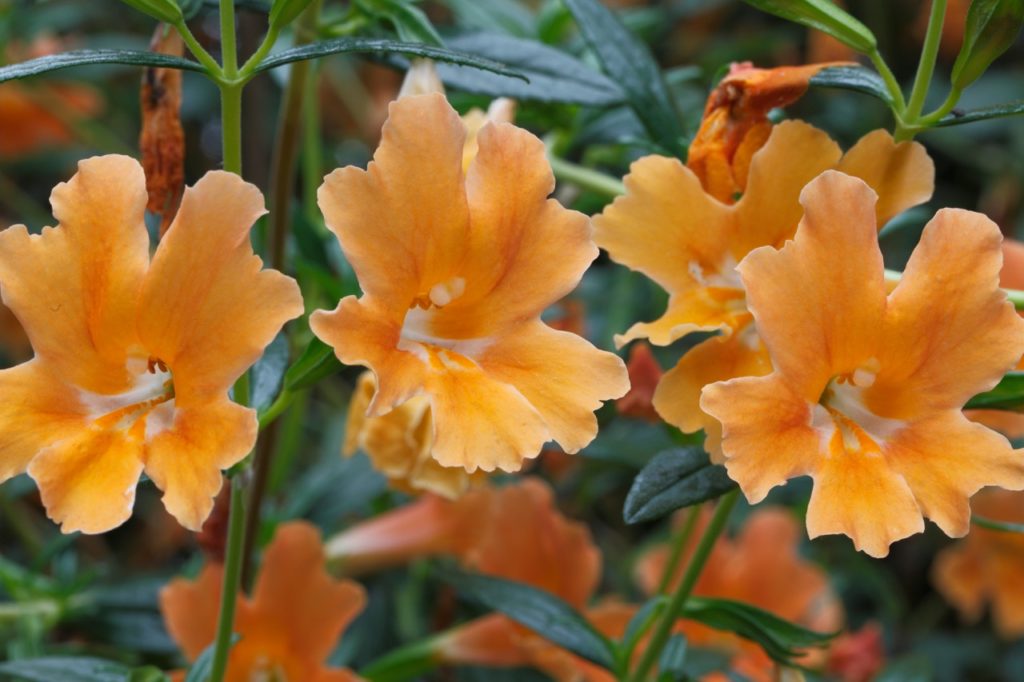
<point x="162" y="141"/>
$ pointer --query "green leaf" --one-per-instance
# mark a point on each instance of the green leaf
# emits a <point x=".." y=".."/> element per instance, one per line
<point x="190" y="8"/>
<point x="147" y="674"/>
<point x="991" y="28"/>
<point x="268" y="372"/>
<point x="378" y="46"/>
<point x="825" y="16"/>
<point x="674" y="479"/>
<point x="544" y="613"/>
<point x="315" y="363"/>
<point x="76" y="668"/>
<point x="640" y="623"/>
<point x="64" y="60"/>
<point x="409" y="21"/>
<point x="672" y="664"/>
<point x="505" y="16"/>
<point x="555" y="76"/>
<point x="630" y="64"/>
<point x="781" y="640"/>
<point x="161" y="10"/>
<point x="200" y="670"/>
<point x="284" y="12"/>
<point x="982" y="114"/>
<point x="1007" y="395"/>
<point x="856" y="78"/>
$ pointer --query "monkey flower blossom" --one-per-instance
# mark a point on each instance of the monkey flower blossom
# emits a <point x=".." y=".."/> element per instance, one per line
<point x="288" y="627"/>
<point x="134" y="357"/>
<point x="668" y="227"/>
<point x="456" y="270"/>
<point x="867" y="389"/>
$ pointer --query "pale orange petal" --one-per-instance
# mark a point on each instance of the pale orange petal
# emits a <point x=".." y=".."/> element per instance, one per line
<point x="946" y="459"/>
<point x="295" y="594"/>
<point x="767" y="434"/>
<point x="561" y="375"/>
<point x="664" y="223"/>
<point x="190" y="609"/>
<point x="207" y="310"/>
<point x="189" y="447"/>
<point x="37" y="409"/>
<point x="403" y="223"/>
<point x="75" y="287"/>
<point x="697" y="309"/>
<point x="959" y="574"/>
<point x="901" y="173"/>
<point x="951" y="332"/>
<point x="1008" y="594"/>
<point x="491" y="640"/>
<point x="87" y="481"/>
<point x="818" y="301"/>
<point x="1012" y="274"/>
<point x="770" y="209"/>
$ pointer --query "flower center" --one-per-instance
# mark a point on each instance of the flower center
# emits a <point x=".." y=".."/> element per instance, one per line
<point x="267" y="671"/>
<point x="843" y="418"/>
<point x="154" y="386"/>
<point x="418" y="335"/>
<point x="722" y="290"/>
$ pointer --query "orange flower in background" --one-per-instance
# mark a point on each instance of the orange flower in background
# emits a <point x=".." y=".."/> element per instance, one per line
<point x="669" y="228"/>
<point x="455" y="270"/>
<point x="857" y="656"/>
<point x="867" y="390"/>
<point x="134" y="357"/>
<point x="644" y="375"/>
<point x="399" y="443"/>
<point x="290" y="625"/>
<point x="760" y="566"/>
<point x="986" y="566"/>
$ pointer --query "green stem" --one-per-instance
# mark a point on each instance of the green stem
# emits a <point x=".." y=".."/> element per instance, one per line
<point x="231" y="126"/>
<point x="682" y="540"/>
<point x="926" y="66"/>
<point x="232" y="577"/>
<point x="228" y="48"/>
<point x="663" y="630"/>
<point x="891" y="84"/>
<point x="1014" y="296"/>
<point x="992" y="524"/>
<point x="280" y="404"/>
<point x="312" y="154"/>
<point x="197" y="50"/>
<point x="586" y="178"/>
<point x="247" y="70"/>
<point x="946" y="107"/>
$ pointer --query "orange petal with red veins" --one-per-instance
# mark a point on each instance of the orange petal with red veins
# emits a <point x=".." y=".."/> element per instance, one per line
<point x="403" y="222"/>
<point x="561" y="375"/>
<point x="946" y="459"/>
<point x="75" y="288"/>
<point x="862" y="496"/>
<point x="37" y="409"/>
<point x="479" y="421"/>
<point x="770" y="209"/>
<point x="767" y="434"/>
<point x="207" y="309"/>
<point x="794" y="293"/>
<point x="189" y="447"/>
<point x="901" y="173"/>
<point x="294" y="595"/>
<point x="190" y="609"/>
<point x="87" y="481"/>
<point x="677" y="398"/>
<point x="951" y="332"/>
<point x="664" y="223"/>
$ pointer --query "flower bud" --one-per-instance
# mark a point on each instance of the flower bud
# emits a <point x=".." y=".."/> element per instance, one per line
<point x="284" y="12"/>
<point x="824" y="16"/>
<point x="992" y="27"/>
<point x="163" y="10"/>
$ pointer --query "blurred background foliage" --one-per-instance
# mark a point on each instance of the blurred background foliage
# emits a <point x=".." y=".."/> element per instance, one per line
<point x="107" y="584"/>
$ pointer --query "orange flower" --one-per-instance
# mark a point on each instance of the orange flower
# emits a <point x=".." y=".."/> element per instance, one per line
<point x="456" y="270"/>
<point x="986" y="566"/>
<point x="670" y="229"/>
<point x="761" y="566"/>
<point x="644" y="374"/>
<point x="857" y="656"/>
<point x="399" y="442"/>
<point x="867" y="390"/>
<point x="289" y="626"/>
<point x="133" y="357"/>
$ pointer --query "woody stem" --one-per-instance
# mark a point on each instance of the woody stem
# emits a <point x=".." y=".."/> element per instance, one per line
<point x="664" y="628"/>
<point x="232" y="577"/>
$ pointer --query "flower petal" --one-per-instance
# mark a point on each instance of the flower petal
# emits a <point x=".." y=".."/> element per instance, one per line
<point x="187" y="449"/>
<point x="697" y="309"/>
<point x="190" y="609"/>
<point x="87" y="481"/>
<point x="75" y="287"/>
<point x="663" y="223"/>
<point x="403" y="222"/>
<point x="207" y="310"/>
<point x="946" y="459"/>
<point x="951" y="332"/>
<point x="37" y="409"/>
<point x="561" y="375"/>
<point x="861" y="495"/>
<point x="818" y="301"/>
<point x="297" y="597"/>
<point x="767" y="434"/>
<point x="769" y="210"/>
<point x="492" y="641"/>
<point x="901" y="173"/>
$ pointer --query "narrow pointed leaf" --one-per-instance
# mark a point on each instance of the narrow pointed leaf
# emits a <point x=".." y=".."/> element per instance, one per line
<point x="856" y="78"/>
<point x="315" y="363"/>
<point x="1007" y="395"/>
<point x="65" y="60"/>
<point x="674" y="479"/>
<point x="77" y="668"/>
<point x="982" y="114"/>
